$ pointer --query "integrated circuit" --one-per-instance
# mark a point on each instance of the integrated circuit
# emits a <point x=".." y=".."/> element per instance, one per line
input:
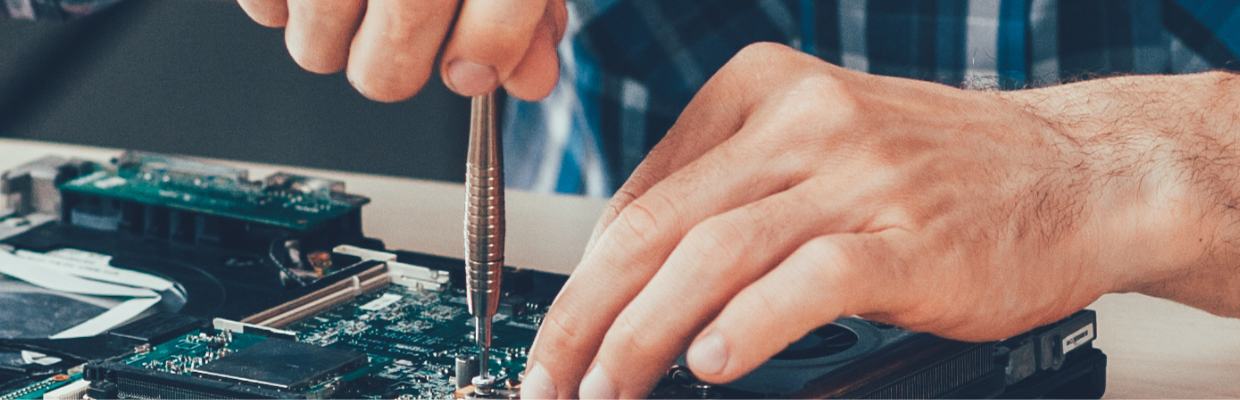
<point x="283" y="364"/>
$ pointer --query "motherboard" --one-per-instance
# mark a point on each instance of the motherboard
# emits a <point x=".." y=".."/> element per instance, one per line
<point x="277" y="293"/>
<point x="425" y="336"/>
<point x="397" y="342"/>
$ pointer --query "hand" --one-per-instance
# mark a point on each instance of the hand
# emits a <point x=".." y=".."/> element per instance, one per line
<point x="389" y="46"/>
<point x="791" y="192"/>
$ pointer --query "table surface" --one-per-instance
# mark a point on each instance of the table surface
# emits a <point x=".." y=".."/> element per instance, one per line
<point x="1156" y="348"/>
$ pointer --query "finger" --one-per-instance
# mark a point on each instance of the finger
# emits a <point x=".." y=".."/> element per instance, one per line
<point x="714" y="114"/>
<point x="557" y="15"/>
<point x="538" y="72"/>
<point x="714" y="261"/>
<point x="319" y="32"/>
<point x="826" y="278"/>
<point x="489" y="40"/>
<point x="632" y="249"/>
<point x="394" y="51"/>
<point x="268" y="13"/>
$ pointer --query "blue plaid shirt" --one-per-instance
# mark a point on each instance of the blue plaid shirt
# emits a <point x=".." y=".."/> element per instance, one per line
<point x="630" y="66"/>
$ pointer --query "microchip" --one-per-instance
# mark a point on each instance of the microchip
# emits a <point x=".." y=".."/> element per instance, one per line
<point x="283" y="364"/>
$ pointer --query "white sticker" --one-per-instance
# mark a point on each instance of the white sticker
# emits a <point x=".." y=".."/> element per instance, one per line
<point x="381" y="302"/>
<point x="1078" y="338"/>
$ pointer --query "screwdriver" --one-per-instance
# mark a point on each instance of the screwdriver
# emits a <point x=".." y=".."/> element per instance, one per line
<point x="484" y="227"/>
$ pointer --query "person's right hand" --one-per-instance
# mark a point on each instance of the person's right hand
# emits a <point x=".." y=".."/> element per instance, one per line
<point x="389" y="46"/>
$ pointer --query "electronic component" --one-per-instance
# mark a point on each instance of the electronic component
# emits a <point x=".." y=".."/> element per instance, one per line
<point x="223" y="364"/>
<point x="282" y="200"/>
<point x="30" y="192"/>
<point x="466" y="369"/>
<point x="282" y="364"/>
<point x="70" y="391"/>
<point x="187" y="201"/>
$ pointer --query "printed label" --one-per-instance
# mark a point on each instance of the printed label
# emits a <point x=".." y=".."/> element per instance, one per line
<point x="1078" y="338"/>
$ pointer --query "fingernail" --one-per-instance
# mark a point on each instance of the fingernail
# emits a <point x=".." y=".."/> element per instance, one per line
<point x="708" y="355"/>
<point x="537" y="384"/>
<point x="597" y="385"/>
<point x="353" y="83"/>
<point x="469" y="78"/>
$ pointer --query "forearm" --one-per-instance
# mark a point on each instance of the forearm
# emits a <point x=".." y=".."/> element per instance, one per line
<point x="1208" y="155"/>
<point x="1167" y="149"/>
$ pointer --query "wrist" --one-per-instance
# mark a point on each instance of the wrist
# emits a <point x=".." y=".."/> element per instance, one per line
<point x="1163" y="161"/>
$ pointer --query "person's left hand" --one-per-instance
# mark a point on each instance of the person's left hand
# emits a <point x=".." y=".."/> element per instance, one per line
<point x="791" y="192"/>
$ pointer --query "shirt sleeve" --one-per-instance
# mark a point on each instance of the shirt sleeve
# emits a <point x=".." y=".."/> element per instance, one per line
<point x="53" y="10"/>
<point x="1208" y="31"/>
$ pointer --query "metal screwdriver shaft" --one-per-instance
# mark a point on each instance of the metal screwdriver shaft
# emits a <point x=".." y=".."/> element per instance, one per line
<point x="484" y="225"/>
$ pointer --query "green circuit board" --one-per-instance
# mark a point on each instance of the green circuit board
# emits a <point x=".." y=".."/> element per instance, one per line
<point x="411" y="339"/>
<point x="36" y="390"/>
<point x="282" y="200"/>
<point x="421" y="333"/>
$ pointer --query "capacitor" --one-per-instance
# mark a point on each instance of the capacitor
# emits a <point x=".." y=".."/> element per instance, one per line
<point x="467" y="367"/>
<point x="320" y="262"/>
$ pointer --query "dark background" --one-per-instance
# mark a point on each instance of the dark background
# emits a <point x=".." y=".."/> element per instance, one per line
<point x="198" y="77"/>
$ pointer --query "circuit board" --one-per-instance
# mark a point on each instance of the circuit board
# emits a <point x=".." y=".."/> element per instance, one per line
<point x="192" y="355"/>
<point x="421" y="333"/>
<point x="411" y="339"/>
<point x="281" y="200"/>
<point x="38" y="389"/>
<point x="394" y="325"/>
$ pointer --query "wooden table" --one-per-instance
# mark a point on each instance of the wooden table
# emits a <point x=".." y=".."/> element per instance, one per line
<point x="1157" y="348"/>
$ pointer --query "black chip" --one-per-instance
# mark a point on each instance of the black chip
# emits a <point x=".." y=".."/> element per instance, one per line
<point x="283" y="364"/>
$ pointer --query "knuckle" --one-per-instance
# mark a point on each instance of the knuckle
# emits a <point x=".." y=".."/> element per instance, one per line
<point x="630" y="334"/>
<point x="756" y="57"/>
<point x="715" y="238"/>
<point x="623" y="197"/>
<point x="641" y="219"/>
<point x="402" y="27"/>
<point x="404" y="21"/>
<point x="765" y="302"/>
<point x="829" y="260"/>
<point x="824" y="98"/>
<point x="561" y="330"/>
<point x="824" y="250"/>
<point x="894" y="216"/>
<point x="762" y="52"/>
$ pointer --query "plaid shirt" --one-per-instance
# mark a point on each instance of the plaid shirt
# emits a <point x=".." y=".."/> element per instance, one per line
<point x="629" y="66"/>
